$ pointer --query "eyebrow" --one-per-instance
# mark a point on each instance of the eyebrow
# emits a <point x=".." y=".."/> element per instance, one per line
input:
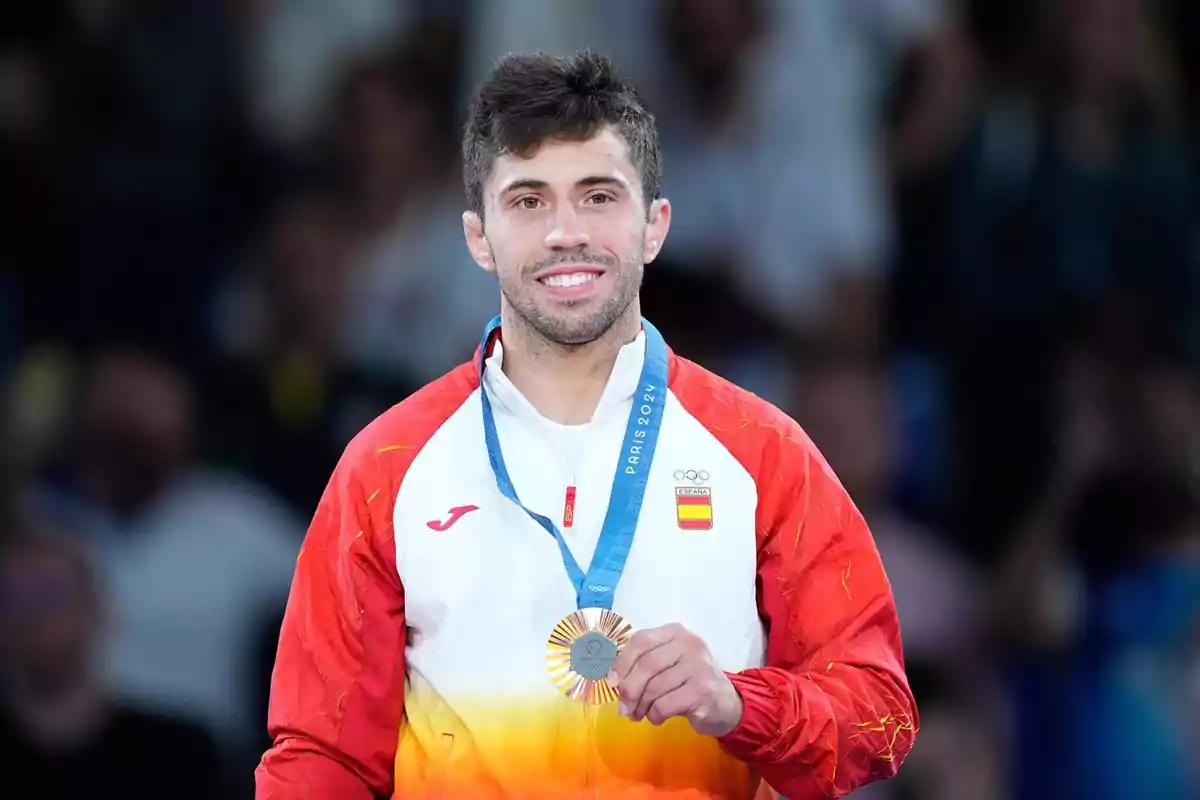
<point x="589" y="181"/>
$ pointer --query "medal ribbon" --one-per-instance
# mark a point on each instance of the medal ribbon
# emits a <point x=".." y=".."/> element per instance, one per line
<point x="597" y="587"/>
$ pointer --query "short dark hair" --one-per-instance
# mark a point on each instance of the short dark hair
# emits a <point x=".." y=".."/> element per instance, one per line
<point x="528" y="100"/>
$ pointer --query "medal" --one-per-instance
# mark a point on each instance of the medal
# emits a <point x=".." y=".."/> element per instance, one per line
<point x="581" y="651"/>
<point x="583" y="646"/>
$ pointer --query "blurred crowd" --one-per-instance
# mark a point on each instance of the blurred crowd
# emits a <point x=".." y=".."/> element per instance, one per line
<point x="957" y="241"/>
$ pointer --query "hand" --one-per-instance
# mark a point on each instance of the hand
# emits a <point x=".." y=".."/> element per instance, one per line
<point x="668" y="672"/>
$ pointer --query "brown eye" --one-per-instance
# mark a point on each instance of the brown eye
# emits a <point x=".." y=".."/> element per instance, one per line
<point x="529" y="203"/>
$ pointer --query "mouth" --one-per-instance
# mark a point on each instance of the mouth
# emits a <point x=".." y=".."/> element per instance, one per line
<point x="567" y="276"/>
<point x="571" y="281"/>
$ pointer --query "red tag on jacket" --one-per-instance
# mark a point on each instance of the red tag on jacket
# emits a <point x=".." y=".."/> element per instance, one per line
<point x="569" y="508"/>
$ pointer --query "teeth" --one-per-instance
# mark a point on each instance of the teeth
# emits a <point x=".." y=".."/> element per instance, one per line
<point x="571" y="279"/>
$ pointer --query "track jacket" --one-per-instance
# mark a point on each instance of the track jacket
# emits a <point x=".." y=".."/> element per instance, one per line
<point x="412" y="660"/>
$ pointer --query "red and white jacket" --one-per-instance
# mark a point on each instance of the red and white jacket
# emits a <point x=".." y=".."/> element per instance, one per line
<point x="412" y="661"/>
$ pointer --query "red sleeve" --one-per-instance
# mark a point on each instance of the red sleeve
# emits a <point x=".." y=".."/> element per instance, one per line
<point x="831" y="711"/>
<point x="337" y="692"/>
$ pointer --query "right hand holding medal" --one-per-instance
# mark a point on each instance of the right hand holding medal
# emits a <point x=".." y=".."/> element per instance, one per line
<point x="668" y="672"/>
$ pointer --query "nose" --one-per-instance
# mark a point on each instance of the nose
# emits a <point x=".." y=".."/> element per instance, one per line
<point x="568" y="232"/>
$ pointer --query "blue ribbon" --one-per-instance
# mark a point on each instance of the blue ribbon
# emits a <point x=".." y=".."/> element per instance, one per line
<point x="597" y="587"/>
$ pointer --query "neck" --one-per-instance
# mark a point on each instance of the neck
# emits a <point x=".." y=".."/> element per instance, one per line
<point x="564" y="382"/>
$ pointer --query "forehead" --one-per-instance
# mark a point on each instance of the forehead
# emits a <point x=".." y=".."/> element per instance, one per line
<point x="562" y="163"/>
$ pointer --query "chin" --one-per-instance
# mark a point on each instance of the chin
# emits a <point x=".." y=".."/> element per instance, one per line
<point x="573" y="329"/>
<point x="574" y="322"/>
<point x="575" y="336"/>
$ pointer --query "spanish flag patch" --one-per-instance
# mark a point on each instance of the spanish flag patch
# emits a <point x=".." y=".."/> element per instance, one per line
<point x="693" y="507"/>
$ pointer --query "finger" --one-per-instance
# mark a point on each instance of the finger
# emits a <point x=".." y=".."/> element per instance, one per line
<point x="648" y="665"/>
<point x="641" y="642"/>
<point x="678" y="702"/>
<point x="661" y="684"/>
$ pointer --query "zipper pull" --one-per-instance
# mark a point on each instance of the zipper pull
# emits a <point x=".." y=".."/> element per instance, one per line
<point x="569" y="508"/>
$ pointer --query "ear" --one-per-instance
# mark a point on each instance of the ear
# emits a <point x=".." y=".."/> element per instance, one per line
<point x="657" y="226"/>
<point x="477" y="242"/>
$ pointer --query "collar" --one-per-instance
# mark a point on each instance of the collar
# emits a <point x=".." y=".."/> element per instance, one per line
<point x="622" y="383"/>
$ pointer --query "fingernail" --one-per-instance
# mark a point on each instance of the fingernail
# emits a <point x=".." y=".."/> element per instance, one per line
<point x="623" y="709"/>
<point x="612" y="679"/>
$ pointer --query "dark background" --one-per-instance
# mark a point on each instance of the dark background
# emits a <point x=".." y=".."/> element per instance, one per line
<point x="958" y="242"/>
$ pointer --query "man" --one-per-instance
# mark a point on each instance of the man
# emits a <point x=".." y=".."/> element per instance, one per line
<point x="61" y="729"/>
<point x="734" y="624"/>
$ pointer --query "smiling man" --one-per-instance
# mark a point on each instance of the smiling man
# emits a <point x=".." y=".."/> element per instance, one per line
<point x="581" y="563"/>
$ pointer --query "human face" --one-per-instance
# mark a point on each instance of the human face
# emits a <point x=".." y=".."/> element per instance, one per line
<point x="47" y="617"/>
<point x="567" y="235"/>
<point x="1102" y="45"/>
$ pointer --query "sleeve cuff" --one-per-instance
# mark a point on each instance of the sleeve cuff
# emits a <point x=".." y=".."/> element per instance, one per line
<point x="756" y="733"/>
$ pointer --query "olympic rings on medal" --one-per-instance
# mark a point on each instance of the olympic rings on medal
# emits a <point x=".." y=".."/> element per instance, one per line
<point x="696" y="477"/>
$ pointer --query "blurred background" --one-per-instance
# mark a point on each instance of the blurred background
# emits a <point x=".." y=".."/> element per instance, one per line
<point x="957" y="241"/>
